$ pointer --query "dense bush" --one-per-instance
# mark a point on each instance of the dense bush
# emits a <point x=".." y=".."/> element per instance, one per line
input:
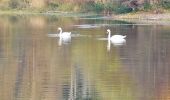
<point x="71" y="7"/>
<point x="14" y="4"/>
<point x="122" y="9"/>
<point x="98" y="7"/>
<point x="53" y="5"/>
<point x="109" y="7"/>
<point x="147" y="6"/>
<point x="93" y="6"/>
<point x="84" y="5"/>
<point x="18" y="4"/>
<point x="165" y="4"/>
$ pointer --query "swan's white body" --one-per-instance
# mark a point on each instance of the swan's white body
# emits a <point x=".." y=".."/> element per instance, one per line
<point x="115" y="39"/>
<point x="65" y="37"/>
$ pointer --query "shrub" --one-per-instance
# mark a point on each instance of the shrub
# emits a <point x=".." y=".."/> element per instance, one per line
<point x="53" y="5"/>
<point x="69" y="7"/>
<point x="66" y="7"/>
<point x="93" y="6"/>
<point x="109" y="7"/>
<point x="122" y="9"/>
<point x="13" y="4"/>
<point x="18" y="4"/>
<point x="147" y="6"/>
<point x="165" y="4"/>
<point x="88" y="6"/>
<point x="98" y="7"/>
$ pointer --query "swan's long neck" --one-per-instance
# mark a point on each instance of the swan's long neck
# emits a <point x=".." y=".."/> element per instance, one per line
<point x="60" y="32"/>
<point x="108" y="43"/>
<point x="109" y="36"/>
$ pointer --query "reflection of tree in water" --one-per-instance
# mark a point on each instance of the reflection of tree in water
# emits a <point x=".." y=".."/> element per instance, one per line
<point x="103" y="70"/>
<point x="78" y="88"/>
<point x="22" y="68"/>
<point x="95" y="73"/>
<point x="147" y="62"/>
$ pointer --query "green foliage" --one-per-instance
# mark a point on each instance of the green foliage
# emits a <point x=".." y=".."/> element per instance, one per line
<point x="147" y="6"/>
<point x="82" y="6"/>
<point x="122" y="9"/>
<point x="14" y="4"/>
<point x="69" y="7"/>
<point x="66" y="7"/>
<point x="18" y="4"/>
<point x="53" y="5"/>
<point x="93" y="6"/>
<point x="165" y="4"/>
<point x="109" y="7"/>
<point x="97" y="7"/>
<point x="88" y="6"/>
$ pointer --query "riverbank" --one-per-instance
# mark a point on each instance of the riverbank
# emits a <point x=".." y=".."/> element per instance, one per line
<point x="140" y="17"/>
<point x="143" y="16"/>
<point x="22" y="12"/>
<point x="39" y="12"/>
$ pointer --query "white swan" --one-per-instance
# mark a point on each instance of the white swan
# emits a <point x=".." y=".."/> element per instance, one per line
<point x="116" y="39"/>
<point x="64" y="35"/>
<point x="61" y="34"/>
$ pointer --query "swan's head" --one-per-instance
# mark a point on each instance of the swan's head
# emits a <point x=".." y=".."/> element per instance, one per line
<point x="108" y="31"/>
<point x="59" y="28"/>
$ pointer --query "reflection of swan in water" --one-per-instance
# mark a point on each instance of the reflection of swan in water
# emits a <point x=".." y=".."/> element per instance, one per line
<point x="64" y="37"/>
<point x="117" y="40"/>
<point x="64" y="41"/>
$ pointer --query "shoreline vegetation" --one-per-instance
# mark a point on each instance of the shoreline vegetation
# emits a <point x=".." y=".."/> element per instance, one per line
<point x="140" y="15"/>
<point x="143" y="16"/>
<point x="118" y="10"/>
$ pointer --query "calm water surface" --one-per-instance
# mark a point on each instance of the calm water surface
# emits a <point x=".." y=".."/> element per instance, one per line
<point x="34" y="66"/>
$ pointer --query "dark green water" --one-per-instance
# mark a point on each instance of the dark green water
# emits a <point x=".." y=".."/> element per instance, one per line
<point x="34" y="66"/>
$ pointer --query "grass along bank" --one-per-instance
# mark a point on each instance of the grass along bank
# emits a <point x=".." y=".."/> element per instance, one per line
<point x="141" y="15"/>
<point x="144" y="18"/>
<point x="69" y="7"/>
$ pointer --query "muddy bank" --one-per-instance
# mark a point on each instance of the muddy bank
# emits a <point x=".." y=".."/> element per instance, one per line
<point x="144" y="18"/>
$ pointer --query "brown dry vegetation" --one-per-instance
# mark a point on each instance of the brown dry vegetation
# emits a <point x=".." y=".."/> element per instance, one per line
<point x="107" y="6"/>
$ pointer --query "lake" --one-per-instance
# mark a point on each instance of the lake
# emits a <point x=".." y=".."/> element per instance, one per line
<point x="36" y="66"/>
